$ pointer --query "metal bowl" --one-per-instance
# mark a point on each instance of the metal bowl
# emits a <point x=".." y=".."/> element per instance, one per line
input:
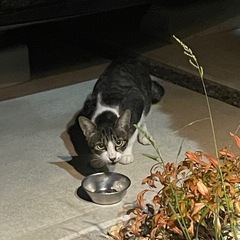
<point x="106" y="188"/>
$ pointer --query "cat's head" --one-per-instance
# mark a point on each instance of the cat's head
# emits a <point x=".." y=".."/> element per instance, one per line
<point x="107" y="142"/>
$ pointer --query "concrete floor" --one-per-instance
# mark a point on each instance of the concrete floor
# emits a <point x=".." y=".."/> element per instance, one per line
<point x="38" y="187"/>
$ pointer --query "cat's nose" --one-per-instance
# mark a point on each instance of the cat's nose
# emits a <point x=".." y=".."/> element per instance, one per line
<point x="112" y="159"/>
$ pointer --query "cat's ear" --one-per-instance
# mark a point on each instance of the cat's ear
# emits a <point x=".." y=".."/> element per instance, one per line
<point x="87" y="126"/>
<point x="124" y="120"/>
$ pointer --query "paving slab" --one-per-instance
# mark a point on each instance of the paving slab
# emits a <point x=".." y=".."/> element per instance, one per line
<point x="38" y="187"/>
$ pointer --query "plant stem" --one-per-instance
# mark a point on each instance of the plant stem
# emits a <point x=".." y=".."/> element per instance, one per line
<point x="194" y="62"/>
<point x="154" y="145"/>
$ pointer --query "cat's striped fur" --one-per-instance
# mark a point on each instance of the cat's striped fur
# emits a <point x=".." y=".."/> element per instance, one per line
<point x="121" y="97"/>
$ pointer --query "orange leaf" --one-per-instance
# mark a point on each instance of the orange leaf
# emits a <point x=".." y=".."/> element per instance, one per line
<point x="237" y="207"/>
<point x="189" y="195"/>
<point x="225" y="152"/>
<point x="212" y="160"/>
<point x="203" y="189"/>
<point x="136" y="227"/>
<point x="233" y="179"/>
<point x="182" y="207"/>
<point x="156" y="199"/>
<point x="193" y="188"/>
<point x="197" y="208"/>
<point x="232" y="190"/>
<point x="140" y="200"/>
<point x="191" y="229"/>
<point x="153" y="233"/>
<point x="237" y="139"/>
<point x="195" y="157"/>
<point x="158" y="219"/>
<point x="150" y="181"/>
<point x="218" y="224"/>
<point x="174" y="228"/>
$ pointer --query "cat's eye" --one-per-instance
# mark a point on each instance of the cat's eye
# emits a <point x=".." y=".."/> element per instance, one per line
<point x="120" y="143"/>
<point x="99" y="147"/>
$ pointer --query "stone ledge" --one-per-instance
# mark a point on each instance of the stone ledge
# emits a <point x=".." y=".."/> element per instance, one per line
<point x="179" y="77"/>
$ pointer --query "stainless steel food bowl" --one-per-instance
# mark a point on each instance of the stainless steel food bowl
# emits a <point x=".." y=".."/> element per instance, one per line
<point x="106" y="188"/>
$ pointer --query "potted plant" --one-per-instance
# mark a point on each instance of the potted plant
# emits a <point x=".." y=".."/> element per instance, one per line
<point x="197" y="198"/>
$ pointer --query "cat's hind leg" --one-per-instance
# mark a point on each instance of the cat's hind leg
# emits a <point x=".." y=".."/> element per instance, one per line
<point x="141" y="136"/>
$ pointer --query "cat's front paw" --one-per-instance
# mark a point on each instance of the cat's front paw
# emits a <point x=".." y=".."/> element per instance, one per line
<point x="126" y="159"/>
<point x="142" y="136"/>
<point x="143" y="140"/>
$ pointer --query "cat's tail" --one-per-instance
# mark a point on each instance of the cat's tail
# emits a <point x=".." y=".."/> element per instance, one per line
<point x="157" y="92"/>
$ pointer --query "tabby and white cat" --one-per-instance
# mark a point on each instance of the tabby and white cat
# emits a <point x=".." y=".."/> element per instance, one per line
<point x="121" y="97"/>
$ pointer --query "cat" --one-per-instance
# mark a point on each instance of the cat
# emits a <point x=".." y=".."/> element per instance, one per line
<point x="121" y="98"/>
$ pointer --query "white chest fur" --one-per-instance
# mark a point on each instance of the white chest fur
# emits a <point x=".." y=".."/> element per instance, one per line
<point x="100" y="108"/>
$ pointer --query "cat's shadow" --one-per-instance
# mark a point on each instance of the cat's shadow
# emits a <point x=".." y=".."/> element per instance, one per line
<point x="79" y="166"/>
<point x="74" y="140"/>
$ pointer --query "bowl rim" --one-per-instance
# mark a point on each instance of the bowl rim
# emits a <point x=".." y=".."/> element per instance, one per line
<point x="103" y="173"/>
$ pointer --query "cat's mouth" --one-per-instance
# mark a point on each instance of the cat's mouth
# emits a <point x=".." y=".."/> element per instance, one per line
<point x="112" y="163"/>
<point x="99" y="163"/>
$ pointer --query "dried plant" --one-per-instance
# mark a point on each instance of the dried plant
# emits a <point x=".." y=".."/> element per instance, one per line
<point x="197" y="198"/>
